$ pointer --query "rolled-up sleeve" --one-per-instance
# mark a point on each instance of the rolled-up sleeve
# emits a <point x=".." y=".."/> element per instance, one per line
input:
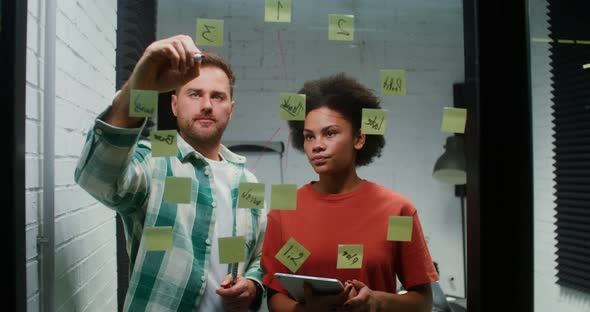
<point x="113" y="168"/>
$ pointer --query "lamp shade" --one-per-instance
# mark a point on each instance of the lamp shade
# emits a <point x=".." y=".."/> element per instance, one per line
<point x="450" y="166"/>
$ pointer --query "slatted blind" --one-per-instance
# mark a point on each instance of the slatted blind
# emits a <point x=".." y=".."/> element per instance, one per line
<point x="570" y="50"/>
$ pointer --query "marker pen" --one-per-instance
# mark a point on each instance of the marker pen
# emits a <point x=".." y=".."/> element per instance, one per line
<point x="198" y="57"/>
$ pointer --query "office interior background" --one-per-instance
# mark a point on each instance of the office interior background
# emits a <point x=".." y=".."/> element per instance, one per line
<point x="68" y="249"/>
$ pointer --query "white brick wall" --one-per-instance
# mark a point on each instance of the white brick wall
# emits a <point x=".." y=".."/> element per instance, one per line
<point x="424" y="37"/>
<point x="548" y="295"/>
<point x="85" y="256"/>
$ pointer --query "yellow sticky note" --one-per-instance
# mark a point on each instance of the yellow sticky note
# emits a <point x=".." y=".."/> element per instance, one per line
<point x="158" y="238"/>
<point x="393" y="82"/>
<point x="292" y="106"/>
<point x="278" y="11"/>
<point x="251" y="195"/>
<point x="143" y="103"/>
<point x="178" y="190"/>
<point x="586" y="66"/>
<point x="292" y="255"/>
<point x="400" y="229"/>
<point x="350" y="257"/>
<point x="341" y="27"/>
<point x="209" y="32"/>
<point x="164" y="143"/>
<point x="232" y="249"/>
<point x="283" y="197"/>
<point x="374" y="121"/>
<point x="454" y="120"/>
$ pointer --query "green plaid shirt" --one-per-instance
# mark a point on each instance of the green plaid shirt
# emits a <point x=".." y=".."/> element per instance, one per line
<point x="117" y="168"/>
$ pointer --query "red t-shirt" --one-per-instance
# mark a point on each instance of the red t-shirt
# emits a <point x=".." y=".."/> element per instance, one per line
<point x="323" y="221"/>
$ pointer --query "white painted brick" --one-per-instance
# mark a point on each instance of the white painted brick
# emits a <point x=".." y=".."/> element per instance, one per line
<point x="104" y="299"/>
<point x="33" y="99"/>
<point x="32" y="204"/>
<point x="31" y="238"/>
<point x="34" y="139"/>
<point x="33" y="9"/>
<point x="33" y="34"/>
<point x="78" y="275"/>
<point x="64" y="112"/>
<point x="75" y="224"/>
<point x="33" y="170"/>
<point x="32" y="281"/>
<point x="85" y="62"/>
<point x="33" y="303"/>
<point x="84" y="295"/>
<point x="83" y="246"/>
<point x="64" y="171"/>
<point x="32" y="68"/>
<point x="72" y="198"/>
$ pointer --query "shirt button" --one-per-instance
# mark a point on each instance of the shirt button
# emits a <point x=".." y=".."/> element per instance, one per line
<point x="207" y="172"/>
<point x="203" y="278"/>
<point x="99" y="131"/>
<point x="208" y="241"/>
<point x="213" y="204"/>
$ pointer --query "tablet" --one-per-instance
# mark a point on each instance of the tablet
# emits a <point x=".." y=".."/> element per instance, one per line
<point x="294" y="284"/>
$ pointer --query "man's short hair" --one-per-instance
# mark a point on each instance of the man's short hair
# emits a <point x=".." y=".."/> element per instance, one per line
<point x="215" y="60"/>
<point x="347" y="96"/>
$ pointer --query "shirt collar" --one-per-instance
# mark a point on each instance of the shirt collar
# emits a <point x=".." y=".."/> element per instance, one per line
<point x="187" y="151"/>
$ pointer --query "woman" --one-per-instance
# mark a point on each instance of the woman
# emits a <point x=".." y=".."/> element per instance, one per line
<point x="342" y="208"/>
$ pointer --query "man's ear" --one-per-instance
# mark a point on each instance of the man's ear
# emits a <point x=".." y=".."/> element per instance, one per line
<point x="231" y="112"/>
<point x="173" y="103"/>
<point x="359" y="140"/>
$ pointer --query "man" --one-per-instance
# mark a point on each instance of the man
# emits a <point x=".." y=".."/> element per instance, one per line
<point x="119" y="170"/>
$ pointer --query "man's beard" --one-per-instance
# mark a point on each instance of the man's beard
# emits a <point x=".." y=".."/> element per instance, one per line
<point x="203" y="138"/>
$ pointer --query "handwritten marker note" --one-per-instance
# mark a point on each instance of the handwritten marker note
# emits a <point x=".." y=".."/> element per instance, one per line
<point x="232" y="249"/>
<point x="586" y="66"/>
<point x="143" y="103"/>
<point x="283" y="197"/>
<point x="341" y="27"/>
<point x="292" y="255"/>
<point x="164" y="143"/>
<point x="209" y="32"/>
<point x="251" y="195"/>
<point x="393" y="82"/>
<point x="292" y="106"/>
<point x="374" y="121"/>
<point x="454" y="120"/>
<point x="178" y="190"/>
<point x="400" y="228"/>
<point x="278" y="11"/>
<point x="158" y="238"/>
<point x="350" y="257"/>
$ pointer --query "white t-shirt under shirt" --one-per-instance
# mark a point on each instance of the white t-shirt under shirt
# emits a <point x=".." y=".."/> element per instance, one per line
<point x="211" y="301"/>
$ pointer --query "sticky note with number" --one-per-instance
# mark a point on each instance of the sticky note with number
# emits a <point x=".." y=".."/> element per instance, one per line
<point x="143" y="103"/>
<point x="158" y="238"/>
<point x="277" y="11"/>
<point x="454" y="120"/>
<point x="232" y="249"/>
<point x="283" y="197"/>
<point x="164" y="143"/>
<point x="292" y="255"/>
<point x="251" y="195"/>
<point x="209" y="32"/>
<point x="374" y="121"/>
<point x="400" y="228"/>
<point x="341" y="27"/>
<point x="393" y="82"/>
<point x="292" y="106"/>
<point x="350" y="257"/>
<point x="178" y="190"/>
